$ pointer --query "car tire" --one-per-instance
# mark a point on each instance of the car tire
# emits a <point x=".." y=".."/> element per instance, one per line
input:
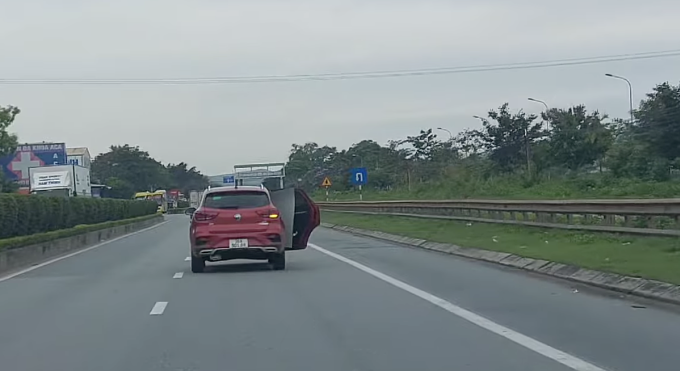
<point x="197" y="265"/>
<point x="278" y="261"/>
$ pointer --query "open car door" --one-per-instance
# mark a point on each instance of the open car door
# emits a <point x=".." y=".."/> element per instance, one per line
<point x="300" y="216"/>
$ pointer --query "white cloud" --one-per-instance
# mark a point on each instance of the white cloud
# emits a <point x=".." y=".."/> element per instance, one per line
<point x="216" y="126"/>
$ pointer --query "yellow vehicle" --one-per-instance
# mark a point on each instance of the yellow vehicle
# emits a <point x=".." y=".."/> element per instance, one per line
<point x="161" y="198"/>
<point x="142" y="196"/>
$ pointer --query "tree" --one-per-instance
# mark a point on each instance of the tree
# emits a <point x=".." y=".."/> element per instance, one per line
<point x="577" y="138"/>
<point x="310" y="163"/>
<point x="510" y="137"/>
<point x="497" y="156"/>
<point x="132" y="167"/>
<point x="657" y="122"/>
<point x="8" y="142"/>
<point x="186" y="178"/>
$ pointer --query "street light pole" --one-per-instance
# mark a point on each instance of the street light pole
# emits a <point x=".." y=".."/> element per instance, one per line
<point x="630" y="93"/>
<point x="542" y="102"/>
<point x="448" y="131"/>
<point x="547" y="109"/>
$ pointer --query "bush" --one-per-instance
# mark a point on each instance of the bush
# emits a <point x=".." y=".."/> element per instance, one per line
<point x="22" y="215"/>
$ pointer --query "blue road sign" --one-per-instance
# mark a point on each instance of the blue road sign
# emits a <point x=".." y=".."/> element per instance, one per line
<point x="228" y="179"/>
<point x="15" y="166"/>
<point x="359" y="176"/>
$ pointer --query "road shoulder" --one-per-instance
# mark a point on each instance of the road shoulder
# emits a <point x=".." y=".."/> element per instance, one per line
<point x="636" y="286"/>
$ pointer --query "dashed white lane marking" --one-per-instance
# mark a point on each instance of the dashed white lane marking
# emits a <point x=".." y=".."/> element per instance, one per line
<point x="158" y="308"/>
<point x="178" y="275"/>
<point x="187" y="259"/>
<point x="12" y="275"/>
<point x="545" y="350"/>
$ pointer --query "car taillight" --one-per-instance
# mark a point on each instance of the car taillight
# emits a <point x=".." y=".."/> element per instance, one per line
<point x="269" y="214"/>
<point x="203" y="216"/>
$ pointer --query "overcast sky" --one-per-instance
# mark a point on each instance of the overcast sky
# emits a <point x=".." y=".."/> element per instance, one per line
<point x="216" y="126"/>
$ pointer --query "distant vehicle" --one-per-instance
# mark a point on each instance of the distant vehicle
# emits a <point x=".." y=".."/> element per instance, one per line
<point x="250" y="222"/>
<point x="60" y="180"/>
<point x="141" y="196"/>
<point x="194" y="198"/>
<point x="161" y="198"/>
<point x="271" y="174"/>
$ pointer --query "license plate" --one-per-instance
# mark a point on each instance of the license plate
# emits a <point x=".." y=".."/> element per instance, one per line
<point x="240" y="243"/>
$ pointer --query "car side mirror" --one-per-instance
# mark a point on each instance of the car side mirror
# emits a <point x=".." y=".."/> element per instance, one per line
<point x="190" y="211"/>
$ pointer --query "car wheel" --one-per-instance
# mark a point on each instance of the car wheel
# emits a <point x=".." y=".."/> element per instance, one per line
<point x="278" y="261"/>
<point x="197" y="264"/>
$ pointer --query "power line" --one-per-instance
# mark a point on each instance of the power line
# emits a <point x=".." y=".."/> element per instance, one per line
<point x="349" y="75"/>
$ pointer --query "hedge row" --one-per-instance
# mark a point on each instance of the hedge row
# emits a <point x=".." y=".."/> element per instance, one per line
<point x="18" y="242"/>
<point x="22" y="215"/>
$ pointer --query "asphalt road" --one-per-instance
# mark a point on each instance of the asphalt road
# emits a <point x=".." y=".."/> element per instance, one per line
<point x="345" y="304"/>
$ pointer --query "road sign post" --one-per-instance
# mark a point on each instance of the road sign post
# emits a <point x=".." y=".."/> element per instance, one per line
<point x="359" y="178"/>
<point x="327" y="184"/>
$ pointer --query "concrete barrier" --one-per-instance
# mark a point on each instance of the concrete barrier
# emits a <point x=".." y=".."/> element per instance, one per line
<point x="21" y="257"/>
<point x="635" y="286"/>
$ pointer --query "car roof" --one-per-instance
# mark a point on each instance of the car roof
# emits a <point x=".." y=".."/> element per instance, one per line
<point x="236" y="189"/>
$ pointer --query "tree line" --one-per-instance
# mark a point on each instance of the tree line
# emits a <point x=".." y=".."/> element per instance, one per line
<point x="561" y="143"/>
<point x="126" y="169"/>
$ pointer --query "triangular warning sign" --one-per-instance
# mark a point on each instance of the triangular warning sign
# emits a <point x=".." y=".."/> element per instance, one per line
<point x="326" y="182"/>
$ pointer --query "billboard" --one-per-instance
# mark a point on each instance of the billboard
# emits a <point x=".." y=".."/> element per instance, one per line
<point x="15" y="167"/>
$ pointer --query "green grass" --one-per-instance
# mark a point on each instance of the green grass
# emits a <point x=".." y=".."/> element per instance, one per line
<point x="514" y="187"/>
<point x="649" y="257"/>
<point x="17" y="242"/>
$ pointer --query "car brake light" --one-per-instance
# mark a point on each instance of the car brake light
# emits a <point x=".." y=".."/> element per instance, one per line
<point x="203" y="216"/>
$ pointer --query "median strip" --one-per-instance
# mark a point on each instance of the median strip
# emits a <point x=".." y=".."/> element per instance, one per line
<point x="44" y="248"/>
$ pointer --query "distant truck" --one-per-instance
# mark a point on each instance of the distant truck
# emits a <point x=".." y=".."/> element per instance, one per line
<point x="271" y="175"/>
<point x="60" y="180"/>
<point x="161" y="198"/>
<point x="194" y="199"/>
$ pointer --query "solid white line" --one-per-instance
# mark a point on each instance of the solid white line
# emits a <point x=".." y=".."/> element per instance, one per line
<point x="158" y="308"/>
<point x="532" y="344"/>
<point x="26" y="270"/>
<point x="178" y="275"/>
<point x="188" y="258"/>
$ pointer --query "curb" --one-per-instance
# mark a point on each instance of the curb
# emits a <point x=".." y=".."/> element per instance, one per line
<point x="645" y="288"/>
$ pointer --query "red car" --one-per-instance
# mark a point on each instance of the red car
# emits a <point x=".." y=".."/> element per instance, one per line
<point x="250" y="223"/>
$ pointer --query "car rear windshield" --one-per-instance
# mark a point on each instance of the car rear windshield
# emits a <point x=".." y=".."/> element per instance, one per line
<point x="236" y="200"/>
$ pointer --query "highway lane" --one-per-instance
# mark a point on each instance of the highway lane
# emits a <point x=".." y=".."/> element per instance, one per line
<point x="593" y="325"/>
<point x="92" y="312"/>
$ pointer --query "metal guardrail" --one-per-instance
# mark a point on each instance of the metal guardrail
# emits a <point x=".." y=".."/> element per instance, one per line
<point x="636" y="216"/>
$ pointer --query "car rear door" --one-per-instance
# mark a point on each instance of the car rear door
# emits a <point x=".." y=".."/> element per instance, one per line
<point x="307" y="218"/>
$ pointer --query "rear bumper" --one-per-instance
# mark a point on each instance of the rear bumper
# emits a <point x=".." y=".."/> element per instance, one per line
<point x="256" y="253"/>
